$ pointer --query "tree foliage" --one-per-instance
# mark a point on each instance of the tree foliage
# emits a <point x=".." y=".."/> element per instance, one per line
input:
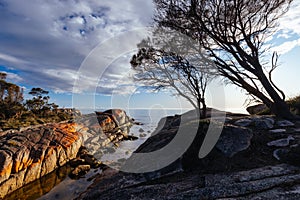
<point x="9" y="92"/>
<point x="187" y="76"/>
<point x="233" y="33"/>
<point x="39" y="101"/>
<point x="16" y="113"/>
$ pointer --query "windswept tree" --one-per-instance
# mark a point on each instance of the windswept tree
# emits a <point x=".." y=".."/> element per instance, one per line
<point x="233" y="33"/>
<point x="11" y="97"/>
<point x="9" y="92"/>
<point x="186" y="76"/>
<point x="39" y="102"/>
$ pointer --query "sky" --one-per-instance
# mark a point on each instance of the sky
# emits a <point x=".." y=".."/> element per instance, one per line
<point x="79" y="50"/>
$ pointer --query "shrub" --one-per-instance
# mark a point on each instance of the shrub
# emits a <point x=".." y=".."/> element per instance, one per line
<point x="294" y="104"/>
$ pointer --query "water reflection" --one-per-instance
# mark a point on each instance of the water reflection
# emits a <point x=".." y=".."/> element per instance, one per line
<point x="41" y="186"/>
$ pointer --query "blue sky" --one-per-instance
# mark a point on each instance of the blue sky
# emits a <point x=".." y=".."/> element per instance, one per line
<point x="45" y="44"/>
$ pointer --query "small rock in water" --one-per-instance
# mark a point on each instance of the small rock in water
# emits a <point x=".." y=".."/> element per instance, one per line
<point x="110" y="150"/>
<point x="80" y="170"/>
<point x="90" y="160"/>
<point x="127" y="152"/>
<point x="116" y="144"/>
<point x="141" y="130"/>
<point x="132" y="137"/>
<point x="143" y="135"/>
<point x="77" y="161"/>
<point x="138" y="123"/>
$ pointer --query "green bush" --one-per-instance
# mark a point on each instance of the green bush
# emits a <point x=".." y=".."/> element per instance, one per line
<point x="265" y="112"/>
<point x="294" y="104"/>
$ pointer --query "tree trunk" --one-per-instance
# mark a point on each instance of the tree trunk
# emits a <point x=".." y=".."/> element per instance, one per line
<point x="204" y="108"/>
<point x="199" y="108"/>
<point x="278" y="106"/>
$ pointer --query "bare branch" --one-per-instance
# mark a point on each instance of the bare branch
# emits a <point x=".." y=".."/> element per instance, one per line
<point x="274" y="66"/>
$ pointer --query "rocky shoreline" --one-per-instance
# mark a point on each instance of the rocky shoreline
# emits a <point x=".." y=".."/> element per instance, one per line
<point x="30" y="153"/>
<point x="255" y="157"/>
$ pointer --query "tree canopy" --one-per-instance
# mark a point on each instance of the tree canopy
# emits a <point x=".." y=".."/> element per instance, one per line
<point x="16" y="113"/>
<point x="233" y="33"/>
<point x="185" y="75"/>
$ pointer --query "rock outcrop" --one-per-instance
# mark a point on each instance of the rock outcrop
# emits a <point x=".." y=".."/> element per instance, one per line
<point x="257" y="109"/>
<point x="29" y="154"/>
<point x="234" y="140"/>
<point x="105" y="128"/>
<point x="255" y="157"/>
<point x="269" y="182"/>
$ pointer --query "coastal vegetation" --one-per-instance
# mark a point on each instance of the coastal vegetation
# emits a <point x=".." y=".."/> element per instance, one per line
<point x="17" y="112"/>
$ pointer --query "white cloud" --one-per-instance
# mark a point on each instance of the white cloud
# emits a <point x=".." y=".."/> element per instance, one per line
<point x="291" y="20"/>
<point x="286" y="47"/>
<point x="289" y="29"/>
<point x="46" y="41"/>
<point x="11" y="59"/>
<point x="12" y="77"/>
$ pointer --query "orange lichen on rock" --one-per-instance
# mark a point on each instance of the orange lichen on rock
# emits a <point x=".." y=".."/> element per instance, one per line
<point x="36" y="151"/>
<point x="106" y="120"/>
<point x="5" y="166"/>
<point x="16" y="166"/>
<point x="68" y="128"/>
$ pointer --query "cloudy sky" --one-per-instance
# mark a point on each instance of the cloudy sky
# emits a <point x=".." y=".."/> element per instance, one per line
<point x="53" y="44"/>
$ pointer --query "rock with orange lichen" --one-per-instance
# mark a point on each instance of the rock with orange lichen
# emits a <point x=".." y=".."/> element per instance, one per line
<point x="33" y="152"/>
<point x="112" y="118"/>
<point x="30" y="153"/>
<point x="103" y="128"/>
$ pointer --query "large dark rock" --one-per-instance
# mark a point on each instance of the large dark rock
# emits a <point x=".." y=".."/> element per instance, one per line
<point x="234" y="139"/>
<point x="256" y="109"/>
<point x="241" y="166"/>
<point x="269" y="182"/>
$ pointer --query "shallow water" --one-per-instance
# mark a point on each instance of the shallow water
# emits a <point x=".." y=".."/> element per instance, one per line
<point x="40" y="187"/>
